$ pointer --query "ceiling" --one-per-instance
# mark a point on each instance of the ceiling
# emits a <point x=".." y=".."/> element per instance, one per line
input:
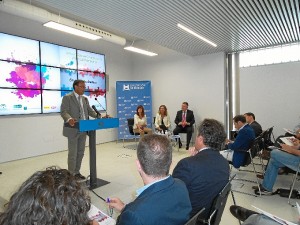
<point x="234" y="25"/>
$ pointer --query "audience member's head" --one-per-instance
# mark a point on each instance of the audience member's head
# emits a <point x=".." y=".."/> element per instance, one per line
<point x="154" y="153"/>
<point x="48" y="197"/>
<point x="239" y="121"/>
<point x="250" y="117"/>
<point x="211" y="133"/>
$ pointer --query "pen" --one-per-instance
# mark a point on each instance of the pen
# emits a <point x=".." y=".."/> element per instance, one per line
<point x="111" y="211"/>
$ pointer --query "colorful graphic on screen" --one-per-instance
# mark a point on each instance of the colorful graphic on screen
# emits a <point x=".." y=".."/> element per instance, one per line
<point x="30" y="85"/>
<point x="13" y="104"/>
<point x="18" y="49"/>
<point x="89" y="61"/>
<point x="58" y="56"/>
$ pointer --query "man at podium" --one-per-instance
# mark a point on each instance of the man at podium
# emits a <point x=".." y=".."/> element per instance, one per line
<point x="75" y="107"/>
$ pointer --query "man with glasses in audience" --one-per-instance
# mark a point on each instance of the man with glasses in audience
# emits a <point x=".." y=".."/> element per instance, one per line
<point x="75" y="107"/>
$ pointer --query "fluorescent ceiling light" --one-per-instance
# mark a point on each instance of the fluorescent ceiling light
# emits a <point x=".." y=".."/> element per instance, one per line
<point x="141" y="51"/>
<point x="195" y="34"/>
<point x="71" y="30"/>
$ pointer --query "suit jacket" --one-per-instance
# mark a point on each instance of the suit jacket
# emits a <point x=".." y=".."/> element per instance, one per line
<point x="256" y="127"/>
<point x="243" y="141"/>
<point x="189" y="117"/>
<point x="204" y="175"/>
<point x="165" y="202"/>
<point x="70" y="108"/>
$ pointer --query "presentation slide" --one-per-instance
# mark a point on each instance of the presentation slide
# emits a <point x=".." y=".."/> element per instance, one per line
<point x="16" y="75"/>
<point x="20" y="101"/>
<point x="58" y="56"/>
<point x="51" y="101"/>
<point x="89" y="61"/>
<point x="13" y="48"/>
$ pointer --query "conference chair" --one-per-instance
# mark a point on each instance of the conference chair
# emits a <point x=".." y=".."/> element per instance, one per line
<point x="193" y="131"/>
<point x="194" y="219"/>
<point x="252" y="152"/>
<point x="135" y="136"/>
<point x="217" y="209"/>
<point x="293" y="184"/>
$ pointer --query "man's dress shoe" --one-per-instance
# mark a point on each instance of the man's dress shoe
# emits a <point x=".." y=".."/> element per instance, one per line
<point x="241" y="213"/>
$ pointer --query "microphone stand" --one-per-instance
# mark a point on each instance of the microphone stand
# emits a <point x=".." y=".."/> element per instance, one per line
<point x="102" y="107"/>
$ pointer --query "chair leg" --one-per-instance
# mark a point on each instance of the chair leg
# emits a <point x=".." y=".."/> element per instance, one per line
<point x="257" y="181"/>
<point x="292" y="187"/>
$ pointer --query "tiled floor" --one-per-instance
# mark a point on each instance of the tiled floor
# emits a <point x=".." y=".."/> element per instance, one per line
<point x="117" y="165"/>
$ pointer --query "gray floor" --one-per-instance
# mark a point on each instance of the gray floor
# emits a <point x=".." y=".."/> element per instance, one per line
<point x="117" y="165"/>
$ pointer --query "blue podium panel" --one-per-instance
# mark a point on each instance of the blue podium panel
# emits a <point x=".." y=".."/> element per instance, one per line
<point x="98" y="124"/>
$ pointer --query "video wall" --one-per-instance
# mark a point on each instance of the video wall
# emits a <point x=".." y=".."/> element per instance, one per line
<point x="35" y="75"/>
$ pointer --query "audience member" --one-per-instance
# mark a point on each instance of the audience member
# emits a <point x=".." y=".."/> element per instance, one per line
<point x="236" y="151"/>
<point x="250" y="119"/>
<point x="140" y="122"/>
<point x="206" y="172"/>
<point x="75" y="107"/>
<point x="49" y="197"/>
<point x="184" y="124"/>
<point x="288" y="156"/>
<point x="251" y="217"/>
<point x="163" y="199"/>
<point x="162" y="119"/>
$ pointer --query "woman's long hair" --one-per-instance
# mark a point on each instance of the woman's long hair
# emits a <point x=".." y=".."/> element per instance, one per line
<point x="143" y="111"/>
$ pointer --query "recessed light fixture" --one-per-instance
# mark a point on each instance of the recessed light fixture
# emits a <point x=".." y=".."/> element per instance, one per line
<point x="141" y="51"/>
<point x="71" y="30"/>
<point x="195" y="34"/>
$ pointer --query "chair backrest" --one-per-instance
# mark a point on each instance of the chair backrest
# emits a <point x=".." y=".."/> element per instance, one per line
<point x="218" y="205"/>
<point x="267" y="137"/>
<point x="130" y="123"/>
<point x="194" y="219"/>
<point x="253" y="150"/>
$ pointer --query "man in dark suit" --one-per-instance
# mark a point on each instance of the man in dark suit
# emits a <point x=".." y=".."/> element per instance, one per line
<point x="206" y="172"/>
<point x="184" y="123"/>
<point x="250" y="119"/>
<point x="75" y="107"/>
<point x="242" y="143"/>
<point x="163" y="199"/>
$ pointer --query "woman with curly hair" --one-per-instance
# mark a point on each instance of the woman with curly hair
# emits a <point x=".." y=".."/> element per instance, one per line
<point x="50" y="197"/>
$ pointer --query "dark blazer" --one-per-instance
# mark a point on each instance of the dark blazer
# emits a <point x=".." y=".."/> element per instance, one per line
<point x="256" y="127"/>
<point x="205" y="175"/>
<point x="165" y="202"/>
<point x="189" y="117"/>
<point x="242" y="142"/>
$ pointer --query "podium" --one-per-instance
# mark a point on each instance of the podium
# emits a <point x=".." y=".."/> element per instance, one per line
<point x="91" y="126"/>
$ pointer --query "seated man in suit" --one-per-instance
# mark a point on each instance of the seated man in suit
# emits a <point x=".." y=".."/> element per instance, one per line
<point x="242" y="143"/>
<point x="206" y="172"/>
<point x="163" y="199"/>
<point x="184" y="123"/>
<point x="250" y="119"/>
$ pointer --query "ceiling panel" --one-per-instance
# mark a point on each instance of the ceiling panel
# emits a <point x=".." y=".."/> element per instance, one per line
<point x="234" y="25"/>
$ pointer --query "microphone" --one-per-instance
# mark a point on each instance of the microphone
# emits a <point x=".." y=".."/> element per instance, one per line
<point x="94" y="108"/>
<point x="102" y="107"/>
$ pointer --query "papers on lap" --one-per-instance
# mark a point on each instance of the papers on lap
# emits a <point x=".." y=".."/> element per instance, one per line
<point x="273" y="217"/>
<point x="100" y="217"/>
<point x="287" y="140"/>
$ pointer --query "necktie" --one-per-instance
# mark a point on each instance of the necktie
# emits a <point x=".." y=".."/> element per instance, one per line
<point x="183" y="118"/>
<point x="81" y="108"/>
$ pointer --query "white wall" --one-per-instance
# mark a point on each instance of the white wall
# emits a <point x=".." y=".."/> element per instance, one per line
<point x="177" y="78"/>
<point x="31" y="135"/>
<point x="271" y="92"/>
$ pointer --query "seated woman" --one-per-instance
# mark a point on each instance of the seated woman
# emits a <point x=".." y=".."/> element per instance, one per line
<point x="162" y="119"/>
<point x="52" y="196"/>
<point x="140" y="122"/>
